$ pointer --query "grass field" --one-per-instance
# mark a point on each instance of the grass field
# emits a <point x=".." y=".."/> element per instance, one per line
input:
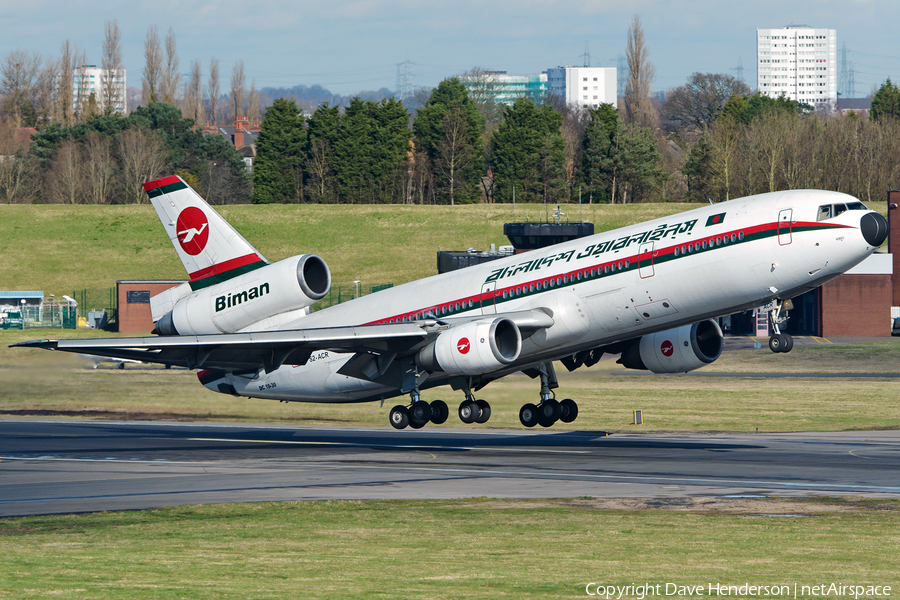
<point x="439" y="549"/>
<point x="39" y="383"/>
<point x="58" y="248"/>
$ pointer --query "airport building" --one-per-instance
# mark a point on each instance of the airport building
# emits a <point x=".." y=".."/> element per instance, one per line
<point x="584" y="87"/>
<point x="798" y="62"/>
<point x="506" y="88"/>
<point x="90" y="79"/>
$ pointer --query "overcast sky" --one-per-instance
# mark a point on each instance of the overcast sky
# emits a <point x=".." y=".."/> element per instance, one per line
<point x="352" y="45"/>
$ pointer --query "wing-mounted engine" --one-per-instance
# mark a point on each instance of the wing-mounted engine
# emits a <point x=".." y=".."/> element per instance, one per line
<point x="677" y="350"/>
<point x="239" y="303"/>
<point x="473" y="348"/>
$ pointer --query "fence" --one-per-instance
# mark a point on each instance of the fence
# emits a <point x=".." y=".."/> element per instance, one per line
<point x="59" y="316"/>
<point x="344" y="293"/>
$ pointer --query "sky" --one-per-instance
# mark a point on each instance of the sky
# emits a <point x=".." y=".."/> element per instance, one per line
<point x="352" y="45"/>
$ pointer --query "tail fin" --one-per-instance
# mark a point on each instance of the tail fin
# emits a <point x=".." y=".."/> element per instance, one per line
<point x="211" y="250"/>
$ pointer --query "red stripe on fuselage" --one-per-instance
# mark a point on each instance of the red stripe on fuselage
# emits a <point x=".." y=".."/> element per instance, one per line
<point x="585" y="271"/>
<point x="157" y="183"/>
<point x="225" y="266"/>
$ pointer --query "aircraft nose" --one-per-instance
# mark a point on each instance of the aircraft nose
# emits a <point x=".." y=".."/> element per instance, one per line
<point x="874" y="228"/>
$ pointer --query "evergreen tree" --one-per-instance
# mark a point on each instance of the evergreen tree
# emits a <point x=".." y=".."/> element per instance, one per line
<point x="528" y="153"/>
<point x="322" y="131"/>
<point x="699" y="169"/>
<point x="278" y="168"/>
<point x="448" y="129"/>
<point x="885" y="102"/>
<point x="598" y="164"/>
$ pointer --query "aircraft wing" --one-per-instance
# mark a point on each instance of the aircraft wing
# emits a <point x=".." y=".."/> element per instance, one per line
<point x="246" y="351"/>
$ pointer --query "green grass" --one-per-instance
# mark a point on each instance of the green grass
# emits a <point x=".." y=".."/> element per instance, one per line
<point x="58" y="249"/>
<point x="39" y="383"/>
<point x="438" y="549"/>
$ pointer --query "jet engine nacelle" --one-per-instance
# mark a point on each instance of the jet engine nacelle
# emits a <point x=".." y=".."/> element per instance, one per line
<point x="239" y="303"/>
<point x="677" y="350"/>
<point x="473" y="348"/>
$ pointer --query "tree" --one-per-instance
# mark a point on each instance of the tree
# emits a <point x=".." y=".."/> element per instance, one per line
<point x="278" y="168"/>
<point x="67" y="65"/>
<point x="18" y="75"/>
<point x="322" y="132"/>
<point x="253" y="103"/>
<point x="238" y="83"/>
<point x="170" y="77"/>
<point x="481" y="85"/>
<point x="598" y="169"/>
<point x="637" y="161"/>
<point x="528" y="153"/>
<point x="111" y="63"/>
<point x="698" y="103"/>
<point x="212" y="89"/>
<point x="885" y="102"/>
<point x="193" y="95"/>
<point x="699" y="169"/>
<point x="142" y="154"/>
<point x="448" y="130"/>
<point x="641" y="73"/>
<point x="64" y="180"/>
<point x="153" y="69"/>
<point x="99" y="168"/>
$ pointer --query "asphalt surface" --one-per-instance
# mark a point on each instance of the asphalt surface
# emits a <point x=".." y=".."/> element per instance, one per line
<point x="49" y="467"/>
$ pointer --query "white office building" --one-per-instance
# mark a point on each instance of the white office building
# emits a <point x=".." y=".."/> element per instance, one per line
<point x="90" y="79"/>
<point x="585" y="87"/>
<point x="799" y="62"/>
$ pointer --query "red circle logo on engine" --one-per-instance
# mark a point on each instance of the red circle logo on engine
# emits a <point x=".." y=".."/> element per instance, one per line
<point x="667" y="348"/>
<point x="193" y="230"/>
<point x="463" y="346"/>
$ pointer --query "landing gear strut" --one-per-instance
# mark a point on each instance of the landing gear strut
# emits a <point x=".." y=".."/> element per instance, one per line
<point x="780" y="342"/>
<point x="549" y="411"/>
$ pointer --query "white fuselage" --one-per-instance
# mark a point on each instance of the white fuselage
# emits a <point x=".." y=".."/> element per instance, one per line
<point x="612" y="286"/>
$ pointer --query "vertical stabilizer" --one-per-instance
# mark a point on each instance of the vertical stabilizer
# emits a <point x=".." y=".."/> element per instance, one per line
<point x="210" y="249"/>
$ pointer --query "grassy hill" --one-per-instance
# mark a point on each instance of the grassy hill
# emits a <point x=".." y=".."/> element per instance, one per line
<point x="58" y="249"/>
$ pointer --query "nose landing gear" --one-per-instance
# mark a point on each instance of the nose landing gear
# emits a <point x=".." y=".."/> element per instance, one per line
<point x="780" y="342"/>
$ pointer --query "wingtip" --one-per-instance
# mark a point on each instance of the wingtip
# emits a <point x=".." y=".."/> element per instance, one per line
<point x="47" y="344"/>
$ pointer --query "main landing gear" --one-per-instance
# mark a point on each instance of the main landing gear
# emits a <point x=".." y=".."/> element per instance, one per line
<point x="549" y="411"/>
<point x="418" y="413"/>
<point x="780" y="342"/>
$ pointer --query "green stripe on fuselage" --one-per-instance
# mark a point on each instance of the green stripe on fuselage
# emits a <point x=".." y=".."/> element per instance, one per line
<point x="225" y="276"/>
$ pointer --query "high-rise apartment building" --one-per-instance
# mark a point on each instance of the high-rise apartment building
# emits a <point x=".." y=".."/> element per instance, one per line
<point x="90" y="79"/>
<point x="798" y="62"/>
<point x="585" y="87"/>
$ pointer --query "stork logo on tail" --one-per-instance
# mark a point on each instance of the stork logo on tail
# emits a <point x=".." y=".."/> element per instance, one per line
<point x="193" y="230"/>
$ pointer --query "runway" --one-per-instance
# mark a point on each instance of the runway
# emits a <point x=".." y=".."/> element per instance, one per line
<point x="49" y="467"/>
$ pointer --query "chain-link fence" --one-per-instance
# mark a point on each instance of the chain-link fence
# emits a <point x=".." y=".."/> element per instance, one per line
<point x="346" y="292"/>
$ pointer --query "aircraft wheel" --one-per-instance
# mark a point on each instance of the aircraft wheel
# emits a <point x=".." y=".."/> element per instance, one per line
<point x="528" y="415"/>
<point x="419" y="412"/>
<point x="121" y="366"/>
<point x="399" y="417"/>
<point x="439" y="412"/>
<point x="469" y="412"/>
<point x="777" y="343"/>
<point x="788" y="342"/>
<point x="417" y="424"/>
<point x="568" y="410"/>
<point x="485" y="411"/>
<point x="549" y="412"/>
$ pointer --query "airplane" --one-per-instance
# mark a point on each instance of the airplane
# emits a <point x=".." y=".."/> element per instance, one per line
<point x="650" y="292"/>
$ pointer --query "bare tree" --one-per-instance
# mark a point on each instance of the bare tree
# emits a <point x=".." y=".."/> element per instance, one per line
<point x="253" y="104"/>
<point x="193" y="95"/>
<point x="213" y="90"/>
<point x="171" y="76"/>
<point x="17" y="167"/>
<point x="153" y="69"/>
<point x="698" y="103"/>
<point x="18" y="75"/>
<point x="111" y="63"/>
<point x="238" y="82"/>
<point x="46" y="101"/>
<point x="99" y="168"/>
<point x="143" y="157"/>
<point x="82" y="91"/>
<point x="638" y="108"/>
<point x="65" y="176"/>
<point x="65" y="89"/>
<point x="483" y="89"/>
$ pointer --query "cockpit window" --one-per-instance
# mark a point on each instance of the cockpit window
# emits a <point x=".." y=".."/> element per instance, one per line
<point x="828" y="211"/>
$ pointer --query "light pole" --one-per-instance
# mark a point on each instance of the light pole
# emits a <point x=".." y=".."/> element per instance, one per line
<point x="357" y="287"/>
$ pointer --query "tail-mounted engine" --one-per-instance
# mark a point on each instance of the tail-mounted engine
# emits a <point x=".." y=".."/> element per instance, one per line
<point x="240" y="302"/>
<point x="677" y="350"/>
<point x="473" y="348"/>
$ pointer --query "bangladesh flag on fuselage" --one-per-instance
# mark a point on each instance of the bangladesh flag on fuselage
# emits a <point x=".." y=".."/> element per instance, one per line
<point x="716" y="219"/>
